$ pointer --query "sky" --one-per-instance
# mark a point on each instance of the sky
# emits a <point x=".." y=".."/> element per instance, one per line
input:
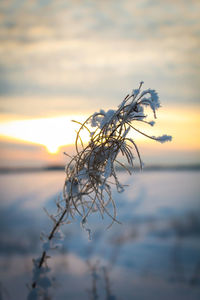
<point x="64" y="60"/>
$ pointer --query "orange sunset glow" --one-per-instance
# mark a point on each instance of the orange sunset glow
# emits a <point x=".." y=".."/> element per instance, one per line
<point x="100" y="149"/>
<point x="63" y="67"/>
<point x="54" y="133"/>
<point x="49" y="132"/>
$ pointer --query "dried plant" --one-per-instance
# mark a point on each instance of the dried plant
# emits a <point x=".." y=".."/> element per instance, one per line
<point x="109" y="295"/>
<point x="93" y="268"/>
<point x="90" y="173"/>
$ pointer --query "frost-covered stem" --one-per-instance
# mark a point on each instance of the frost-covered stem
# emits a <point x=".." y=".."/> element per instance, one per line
<point x="93" y="269"/>
<point x="92" y="169"/>
<point x="51" y="235"/>
<point x="109" y="295"/>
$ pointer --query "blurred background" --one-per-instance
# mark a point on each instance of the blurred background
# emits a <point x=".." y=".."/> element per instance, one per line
<point x="64" y="60"/>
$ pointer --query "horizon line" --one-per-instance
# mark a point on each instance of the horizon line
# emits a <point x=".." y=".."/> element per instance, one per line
<point x="49" y="168"/>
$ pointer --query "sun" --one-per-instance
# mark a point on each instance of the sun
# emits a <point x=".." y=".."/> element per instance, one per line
<point x="52" y="133"/>
<point x="52" y="149"/>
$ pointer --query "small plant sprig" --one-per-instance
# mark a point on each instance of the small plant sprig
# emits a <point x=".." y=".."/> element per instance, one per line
<point x="90" y="173"/>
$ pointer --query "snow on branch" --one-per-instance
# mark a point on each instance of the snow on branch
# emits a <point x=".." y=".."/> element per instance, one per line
<point x="87" y="185"/>
<point x="90" y="172"/>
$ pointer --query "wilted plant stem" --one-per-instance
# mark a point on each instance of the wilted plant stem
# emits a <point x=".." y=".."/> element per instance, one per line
<point x="51" y="235"/>
<point x="92" y="170"/>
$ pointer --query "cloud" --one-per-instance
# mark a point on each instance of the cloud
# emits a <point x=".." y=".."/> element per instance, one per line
<point x="96" y="50"/>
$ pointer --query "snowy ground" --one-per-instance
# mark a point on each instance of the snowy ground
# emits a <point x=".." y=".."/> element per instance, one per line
<point x="154" y="254"/>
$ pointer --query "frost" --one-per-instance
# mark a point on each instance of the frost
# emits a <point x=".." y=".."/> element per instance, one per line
<point x="164" y="138"/>
<point x="152" y="123"/>
<point x="72" y="188"/>
<point x="59" y="235"/>
<point x="92" y="170"/>
<point x="86" y="228"/>
<point x="135" y="92"/>
<point x="108" y="168"/>
<point x="122" y="104"/>
<point x="102" y="187"/>
<point x="82" y="175"/>
<point x="108" y="116"/>
<point x="97" y="118"/>
<point x="102" y="118"/>
<point x="46" y="246"/>
<point x="120" y="188"/>
<point x="126" y="132"/>
<point x="92" y="133"/>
